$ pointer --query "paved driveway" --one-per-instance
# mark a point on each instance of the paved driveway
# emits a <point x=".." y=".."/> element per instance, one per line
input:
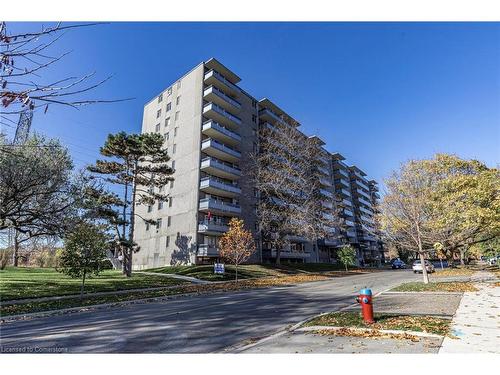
<point x="200" y="324"/>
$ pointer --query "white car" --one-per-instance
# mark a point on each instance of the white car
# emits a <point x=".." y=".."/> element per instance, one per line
<point x="417" y="267"/>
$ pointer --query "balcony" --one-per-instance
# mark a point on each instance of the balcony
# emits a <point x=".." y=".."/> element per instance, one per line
<point x="327" y="204"/>
<point x="323" y="170"/>
<point x="205" y="250"/>
<point x="345" y="192"/>
<point x="213" y="94"/>
<point x="325" y="181"/>
<point x="364" y="201"/>
<point x="219" y="150"/>
<point x="219" y="168"/>
<point x="326" y="193"/>
<point x="347" y="202"/>
<point x="221" y="116"/>
<point x="344" y="183"/>
<point x="364" y="210"/>
<point x="213" y="185"/>
<point x="290" y="254"/>
<point x="212" y="228"/>
<point x="217" y="131"/>
<point x="213" y="77"/>
<point x="364" y="194"/>
<point x="219" y="207"/>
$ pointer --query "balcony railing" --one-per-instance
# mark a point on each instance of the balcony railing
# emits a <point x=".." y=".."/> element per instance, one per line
<point x="211" y="128"/>
<point x="219" y="93"/>
<point x="216" y="205"/>
<point x="212" y="143"/>
<point x="363" y="193"/>
<point x="217" y="184"/>
<point x="323" y="170"/>
<point x="326" y="193"/>
<point x="206" y="250"/>
<point x="213" y="75"/>
<point x="225" y="115"/>
<point x="325" y="181"/>
<point x="222" y="167"/>
<point x="212" y="226"/>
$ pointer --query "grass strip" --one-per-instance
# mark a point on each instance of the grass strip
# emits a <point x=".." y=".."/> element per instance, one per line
<point x="436" y="287"/>
<point x="427" y="324"/>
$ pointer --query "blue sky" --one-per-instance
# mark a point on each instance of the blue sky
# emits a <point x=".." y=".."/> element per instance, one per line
<point x="379" y="93"/>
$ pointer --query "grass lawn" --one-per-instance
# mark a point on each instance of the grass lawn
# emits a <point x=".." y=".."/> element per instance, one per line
<point x="206" y="272"/>
<point x="247" y="271"/>
<point x="435" y="287"/>
<point x="427" y="324"/>
<point x="17" y="283"/>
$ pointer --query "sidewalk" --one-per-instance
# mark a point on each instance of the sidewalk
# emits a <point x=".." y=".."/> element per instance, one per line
<point x="476" y="323"/>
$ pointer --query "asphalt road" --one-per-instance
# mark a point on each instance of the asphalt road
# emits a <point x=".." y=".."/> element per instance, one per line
<point x="198" y="324"/>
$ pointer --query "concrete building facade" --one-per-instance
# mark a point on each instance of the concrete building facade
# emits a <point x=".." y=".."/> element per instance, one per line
<point x="210" y="126"/>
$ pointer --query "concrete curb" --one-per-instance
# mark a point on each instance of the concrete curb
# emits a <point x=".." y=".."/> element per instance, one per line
<point x="359" y="329"/>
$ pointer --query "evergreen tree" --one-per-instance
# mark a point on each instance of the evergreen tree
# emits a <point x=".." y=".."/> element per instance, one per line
<point x="138" y="164"/>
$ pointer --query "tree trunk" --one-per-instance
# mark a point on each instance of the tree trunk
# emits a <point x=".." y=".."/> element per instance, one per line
<point x="124" y="229"/>
<point x="424" y="269"/>
<point x="132" y="224"/>
<point x="16" y="249"/>
<point x="278" y="255"/>
<point x="346" y="269"/>
<point x="83" y="283"/>
<point x="421" y="255"/>
<point x="236" y="266"/>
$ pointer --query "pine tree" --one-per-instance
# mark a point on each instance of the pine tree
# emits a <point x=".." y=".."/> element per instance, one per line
<point x="138" y="164"/>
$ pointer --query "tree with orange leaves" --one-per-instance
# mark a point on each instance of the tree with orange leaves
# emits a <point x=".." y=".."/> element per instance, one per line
<point x="237" y="244"/>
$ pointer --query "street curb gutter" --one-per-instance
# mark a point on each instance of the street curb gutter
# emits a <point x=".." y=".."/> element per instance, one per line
<point x="358" y="329"/>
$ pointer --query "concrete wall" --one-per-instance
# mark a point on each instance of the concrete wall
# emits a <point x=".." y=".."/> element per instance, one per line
<point x="184" y="193"/>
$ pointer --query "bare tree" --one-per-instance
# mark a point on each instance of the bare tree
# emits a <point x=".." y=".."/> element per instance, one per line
<point x="292" y="200"/>
<point x="37" y="195"/>
<point x="24" y="57"/>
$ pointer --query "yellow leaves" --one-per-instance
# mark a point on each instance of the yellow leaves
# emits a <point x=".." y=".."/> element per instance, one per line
<point x="237" y="244"/>
<point x="373" y="334"/>
<point x="451" y="272"/>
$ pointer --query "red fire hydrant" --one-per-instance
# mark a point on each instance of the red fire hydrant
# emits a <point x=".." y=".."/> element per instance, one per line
<point x="365" y="299"/>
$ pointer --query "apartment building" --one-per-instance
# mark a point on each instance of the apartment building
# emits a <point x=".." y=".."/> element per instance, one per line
<point x="210" y="126"/>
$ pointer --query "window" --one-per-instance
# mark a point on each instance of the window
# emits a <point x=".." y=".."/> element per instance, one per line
<point x="169" y="221"/>
<point x="158" y="113"/>
<point x="160" y="98"/>
<point x="178" y="84"/>
<point x="147" y="226"/>
<point x="174" y="148"/>
<point x="167" y="121"/>
<point x="254" y="118"/>
<point x="254" y="104"/>
<point x="171" y="184"/>
<point x="158" y="224"/>
<point x="165" y="136"/>
<point x="169" y="106"/>
<point x="160" y="204"/>
<point x="167" y="241"/>
<point x="157" y="128"/>
<point x="178" y="100"/>
<point x="173" y="164"/>
<point x="176" y="115"/>
<point x="175" y="130"/>
<point x="150" y="208"/>
<point x="170" y="199"/>
<point x="169" y="91"/>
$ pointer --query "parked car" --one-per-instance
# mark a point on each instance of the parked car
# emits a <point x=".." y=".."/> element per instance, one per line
<point x="417" y="267"/>
<point x="398" y="264"/>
